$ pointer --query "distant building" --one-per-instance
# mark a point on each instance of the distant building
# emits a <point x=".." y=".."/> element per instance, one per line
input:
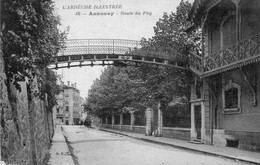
<point x="60" y="107"/>
<point x="83" y="116"/>
<point x="69" y="106"/>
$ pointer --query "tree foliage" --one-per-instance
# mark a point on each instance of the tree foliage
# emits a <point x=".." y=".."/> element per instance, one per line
<point x="172" y="42"/>
<point x="121" y="88"/>
<point x="116" y="89"/>
<point x="30" y="36"/>
<point x="50" y="87"/>
<point x="147" y="85"/>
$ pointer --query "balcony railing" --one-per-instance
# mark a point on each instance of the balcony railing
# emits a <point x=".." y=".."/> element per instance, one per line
<point x="196" y="62"/>
<point x="246" y="51"/>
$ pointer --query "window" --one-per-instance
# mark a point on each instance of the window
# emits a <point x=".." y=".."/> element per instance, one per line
<point x="228" y="31"/>
<point x="67" y="108"/>
<point x="198" y="86"/>
<point x="231" y="98"/>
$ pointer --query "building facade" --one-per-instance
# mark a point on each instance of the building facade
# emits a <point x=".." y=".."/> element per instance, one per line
<point x="60" y="107"/>
<point x="225" y="94"/>
<point x="69" y="105"/>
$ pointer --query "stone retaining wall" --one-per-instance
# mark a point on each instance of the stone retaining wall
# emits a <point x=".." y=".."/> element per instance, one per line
<point x="126" y="128"/>
<point x="116" y="127"/>
<point x="177" y="133"/>
<point x="26" y="126"/>
<point x="139" y="129"/>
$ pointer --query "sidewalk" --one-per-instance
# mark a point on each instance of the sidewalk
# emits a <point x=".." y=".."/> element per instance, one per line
<point x="59" y="152"/>
<point x="225" y="152"/>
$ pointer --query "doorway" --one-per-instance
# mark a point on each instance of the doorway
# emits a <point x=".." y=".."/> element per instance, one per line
<point x="197" y="109"/>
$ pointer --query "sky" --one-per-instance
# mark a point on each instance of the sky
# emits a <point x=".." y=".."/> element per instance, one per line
<point x="124" y="19"/>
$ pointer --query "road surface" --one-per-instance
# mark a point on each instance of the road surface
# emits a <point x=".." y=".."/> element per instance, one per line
<point x="93" y="147"/>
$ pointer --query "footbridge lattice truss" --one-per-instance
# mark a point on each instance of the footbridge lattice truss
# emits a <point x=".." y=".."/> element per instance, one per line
<point x="90" y="52"/>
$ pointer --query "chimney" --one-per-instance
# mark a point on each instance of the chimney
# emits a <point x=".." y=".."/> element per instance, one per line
<point x="75" y="85"/>
<point x="68" y="83"/>
<point x="72" y="85"/>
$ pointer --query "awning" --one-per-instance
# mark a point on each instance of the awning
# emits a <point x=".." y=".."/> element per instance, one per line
<point x="232" y="66"/>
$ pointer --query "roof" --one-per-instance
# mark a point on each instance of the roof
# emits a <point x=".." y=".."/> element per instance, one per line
<point x="69" y="87"/>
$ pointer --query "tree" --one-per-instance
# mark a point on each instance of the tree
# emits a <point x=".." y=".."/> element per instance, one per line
<point x="30" y="36"/>
<point x="147" y="85"/>
<point x="113" y="91"/>
<point x="51" y="88"/>
<point x="172" y="42"/>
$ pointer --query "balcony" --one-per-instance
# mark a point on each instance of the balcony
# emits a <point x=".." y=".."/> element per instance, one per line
<point x="245" y="52"/>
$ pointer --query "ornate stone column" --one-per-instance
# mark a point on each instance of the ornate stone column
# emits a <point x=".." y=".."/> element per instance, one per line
<point x="132" y="120"/>
<point x="192" y="129"/>
<point x="113" y="120"/>
<point x="160" y="120"/>
<point x="148" y="115"/>
<point x="121" y="120"/>
<point x="203" y="123"/>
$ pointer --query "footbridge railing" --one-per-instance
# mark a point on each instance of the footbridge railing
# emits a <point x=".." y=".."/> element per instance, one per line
<point x="99" y="46"/>
<point x="90" y="52"/>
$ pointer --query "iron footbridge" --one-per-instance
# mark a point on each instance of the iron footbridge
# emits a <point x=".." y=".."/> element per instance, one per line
<point x="118" y="52"/>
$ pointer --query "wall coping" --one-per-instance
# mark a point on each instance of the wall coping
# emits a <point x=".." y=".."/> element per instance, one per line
<point x="139" y="126"/>
<point x="171" y="128"/>
<point x="177" y="128"/>
<point x="129" y="125"/>
<point x="225" y="130"/>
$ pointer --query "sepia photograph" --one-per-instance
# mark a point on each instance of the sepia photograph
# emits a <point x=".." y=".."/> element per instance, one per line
<point x="130" y="82"/>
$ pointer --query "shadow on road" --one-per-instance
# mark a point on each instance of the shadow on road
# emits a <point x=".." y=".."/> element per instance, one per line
<point x="71" y="150"/>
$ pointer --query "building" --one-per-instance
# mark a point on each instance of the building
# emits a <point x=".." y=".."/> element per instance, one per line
<point x="69" y="106"/>
<point x="60" y="107"/>
<point x="225" y="95"/>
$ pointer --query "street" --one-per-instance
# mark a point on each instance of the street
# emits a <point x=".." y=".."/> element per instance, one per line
<point x="93" y="147"/>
